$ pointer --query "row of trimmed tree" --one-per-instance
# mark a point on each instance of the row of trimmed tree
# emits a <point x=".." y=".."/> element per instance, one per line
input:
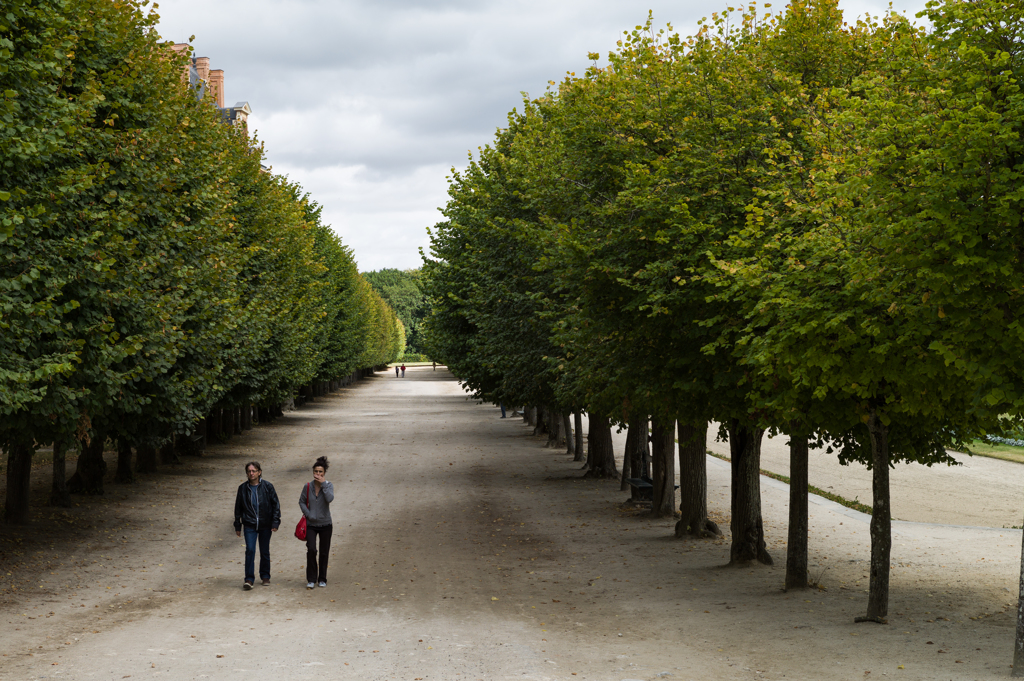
<point x="154" y="276"/>
<point x="401" y="289"/>
<point x="784" y="223"/>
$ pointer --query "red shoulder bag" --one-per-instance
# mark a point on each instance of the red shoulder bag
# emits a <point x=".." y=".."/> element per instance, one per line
<point x="300" y="528"/>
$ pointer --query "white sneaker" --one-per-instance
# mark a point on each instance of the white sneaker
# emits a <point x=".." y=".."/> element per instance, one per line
<point x="322" y="584"/>
<point x="310" y="585"/>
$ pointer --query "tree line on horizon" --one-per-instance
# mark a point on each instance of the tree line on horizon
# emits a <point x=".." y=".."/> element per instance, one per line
<point x="403" y="292"/>
<point x="785" y="223"/>
<point x="156" y="281"/>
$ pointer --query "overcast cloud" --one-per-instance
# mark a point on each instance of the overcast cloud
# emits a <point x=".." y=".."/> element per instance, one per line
<point x="368" y="105"/>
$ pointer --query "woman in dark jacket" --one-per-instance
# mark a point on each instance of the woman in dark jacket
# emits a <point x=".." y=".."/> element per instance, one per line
<point x="315" y="504"/>
<point x="258" y="512"/>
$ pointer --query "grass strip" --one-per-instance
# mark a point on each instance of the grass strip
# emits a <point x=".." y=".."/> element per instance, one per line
<point x="997" y="451"/>
<point x="855" y="505"/>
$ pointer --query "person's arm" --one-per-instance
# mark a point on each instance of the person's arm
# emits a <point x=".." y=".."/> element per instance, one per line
<point x="239" y="501"/>
<point x="275" y="509"/>
<point x="327" y="489"/>
<point x="302" y="503"/>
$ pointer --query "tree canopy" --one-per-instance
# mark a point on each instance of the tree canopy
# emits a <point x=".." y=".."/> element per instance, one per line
<point x="150" y="266"/>
<point x="401" y="289"/>
<point x="785" y="222"/>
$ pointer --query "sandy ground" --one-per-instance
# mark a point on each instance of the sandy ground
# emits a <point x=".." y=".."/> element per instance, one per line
<point x="464" y="549"/>
<point x="979" y="491"/>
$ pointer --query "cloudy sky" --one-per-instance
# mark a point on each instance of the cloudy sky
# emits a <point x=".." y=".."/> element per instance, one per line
<point x="368" y="105"/>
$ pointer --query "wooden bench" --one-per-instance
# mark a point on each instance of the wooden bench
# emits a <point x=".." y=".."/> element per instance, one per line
<point x="644" y="487"/>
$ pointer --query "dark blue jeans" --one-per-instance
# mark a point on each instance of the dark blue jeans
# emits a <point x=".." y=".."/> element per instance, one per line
<point x="251" y="535"/>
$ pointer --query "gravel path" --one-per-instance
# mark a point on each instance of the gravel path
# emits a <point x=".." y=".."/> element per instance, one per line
<point x="466" y="550"/>
<point x="980" y="491"/>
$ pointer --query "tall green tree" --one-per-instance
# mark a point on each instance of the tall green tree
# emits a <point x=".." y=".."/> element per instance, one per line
<point x="150" y="269"/>
<point x="402" y="291"/>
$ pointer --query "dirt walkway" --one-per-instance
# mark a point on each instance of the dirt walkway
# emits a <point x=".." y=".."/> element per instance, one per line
<point x="980" y="491"/>
<point x="465" y="550"/>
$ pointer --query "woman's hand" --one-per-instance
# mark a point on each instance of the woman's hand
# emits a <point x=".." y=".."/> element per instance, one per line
<point x="318" y="477"/>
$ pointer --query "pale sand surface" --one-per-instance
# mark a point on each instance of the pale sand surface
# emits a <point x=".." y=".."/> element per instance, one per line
<point x="464" y="549"/>
<point x="980" y="491"/>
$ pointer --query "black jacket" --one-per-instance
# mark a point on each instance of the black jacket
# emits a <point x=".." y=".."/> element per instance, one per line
<point x="267" y="511"/>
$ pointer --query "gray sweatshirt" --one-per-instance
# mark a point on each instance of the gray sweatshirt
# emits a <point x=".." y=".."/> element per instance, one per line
<point x="318" y="511"/>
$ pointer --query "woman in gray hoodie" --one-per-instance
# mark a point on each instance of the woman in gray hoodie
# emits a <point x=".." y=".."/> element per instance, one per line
<point x="315" y="504"/>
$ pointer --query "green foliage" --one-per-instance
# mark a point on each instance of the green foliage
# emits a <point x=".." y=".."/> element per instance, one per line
<point x="785" y="221"/>
<point x="401" y="289"/>
<point x="149" y="267"/>
<point x="487" y="297"/>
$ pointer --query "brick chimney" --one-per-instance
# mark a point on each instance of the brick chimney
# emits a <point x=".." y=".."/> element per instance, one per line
<point x="180" y="48"/>
<point x="203" y="68"/>
<point x="217" y="86"/>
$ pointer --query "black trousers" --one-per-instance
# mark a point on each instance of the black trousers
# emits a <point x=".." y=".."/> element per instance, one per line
<point x="315" y="572"/>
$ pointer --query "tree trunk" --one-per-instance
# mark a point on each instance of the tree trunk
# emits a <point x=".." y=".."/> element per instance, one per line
<point x="663" y="464"/>
<point x="213" y="426"/>
<point x="579" y="454"/>
<point x="236" y="417"/>
<point x="554" y="426"/>
<point x="747" y="524"/>
<point x="19" y="481"/>
<point x="88" y="477"/>
<point x="227" y="425"/>
<point x="693" y="483"/>
<point x="541" y="419"/>
<point x="59" y="495"/>
<point x="796" y="546"/>
<point x="145" y="459"/>
<point x="1018" y="643"/>
<point x="247" y="417"/>
<point x="167" y="455"/>
<point x="124" y="472"/>
<point x="881" y="523"/>
<point x="526" y="414"/>
<point x="601" y="455"/>
<point x="199" y="446"/>
<point x="567" y="427"/>
<point x="637" y="453"/>
<point x="627" y="457"/>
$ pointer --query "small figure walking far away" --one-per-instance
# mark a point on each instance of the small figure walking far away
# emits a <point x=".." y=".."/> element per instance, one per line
<point x="258" y="513"/>
<point x="315" y="504"/>
<point x="396" y="371"/>
<point x="403" y="371"/>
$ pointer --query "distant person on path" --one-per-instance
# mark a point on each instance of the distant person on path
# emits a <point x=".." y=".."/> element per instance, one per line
<point x="435" y="365"/>
<point x="258" y="513"/>
<point x="315" y="504"/>
<point x="403" y="371"/>
<point x="396" y="372"/>
<point x="502" y="405"/>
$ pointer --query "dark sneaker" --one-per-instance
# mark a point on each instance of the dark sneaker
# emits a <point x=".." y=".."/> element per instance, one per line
<point x="247" y="586"/>
<point x="266" y="582"/>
